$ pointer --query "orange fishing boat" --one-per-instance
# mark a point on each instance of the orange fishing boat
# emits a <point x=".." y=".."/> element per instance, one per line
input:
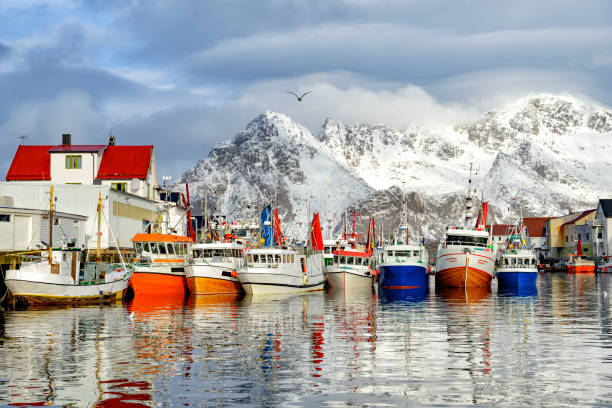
<point x="579" y="263"/>
<point x="160" y="267"/>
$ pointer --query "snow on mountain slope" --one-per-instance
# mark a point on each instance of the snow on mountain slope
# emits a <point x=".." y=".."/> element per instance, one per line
<point x="549" y="152"/>
<point x="275" y="158"/>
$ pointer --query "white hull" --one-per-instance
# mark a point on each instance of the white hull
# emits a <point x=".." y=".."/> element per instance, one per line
<point x="210" y="270"/>
<point x="338" y="278"/>
<point x="283" y="277"/>
<point x="45" y="285"/>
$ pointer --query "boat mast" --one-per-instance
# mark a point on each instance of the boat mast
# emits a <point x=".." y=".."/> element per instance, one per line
<point x="51" y="226"/>
<point x="468" y="202"/>
<point x="98" y="251"/>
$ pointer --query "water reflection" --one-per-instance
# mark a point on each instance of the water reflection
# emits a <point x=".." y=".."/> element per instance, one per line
<point x="451" y="347"/>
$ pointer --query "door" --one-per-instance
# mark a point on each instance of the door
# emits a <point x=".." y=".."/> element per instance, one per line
<point x="22" y="232"/>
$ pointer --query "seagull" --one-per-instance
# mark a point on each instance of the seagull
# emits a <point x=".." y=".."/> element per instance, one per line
<point x="299" y="98"/>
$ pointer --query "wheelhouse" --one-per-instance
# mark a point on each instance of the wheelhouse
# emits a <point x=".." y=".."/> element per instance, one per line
<point x="161" y="247"/>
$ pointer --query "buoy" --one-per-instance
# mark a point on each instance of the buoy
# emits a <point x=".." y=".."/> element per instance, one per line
<point x="234" y="274"/>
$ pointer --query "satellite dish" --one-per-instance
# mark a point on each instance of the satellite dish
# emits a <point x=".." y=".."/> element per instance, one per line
<point x="134" y="185"/>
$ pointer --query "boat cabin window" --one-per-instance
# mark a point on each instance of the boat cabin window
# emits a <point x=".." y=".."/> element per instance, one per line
<point x="402" y="253"/>
<point x="519" y="261"/>
<point x="416" y="253"/>
<point x="350" y="260"/>
<point x="277" y="258"/>
<point x="512" y="261"/>
<point x="335" y="259"/>
<point x="366" y="261"/>
<point x="138" y="247"/>
<point x="327" y="250"/>
<point x="292" y="258"/>
<point x="466" y="240"/>
<point x="196" y="253"/>
<point x="284" y="258"/>
<point x="389" y="253"/>
<point x="343" y="259"/>
<point x="162" y="248"/>
<point x="171" y="248"/>
<point x="255" y="258"/>
<point x="154" y="248"/>
<point x="505" y="261"/>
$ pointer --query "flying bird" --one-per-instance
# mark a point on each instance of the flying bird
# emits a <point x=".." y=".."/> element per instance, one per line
<point x="299" y="98"/>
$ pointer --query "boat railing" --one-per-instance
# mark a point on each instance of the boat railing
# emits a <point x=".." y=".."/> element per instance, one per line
<point x="463" y="243"/>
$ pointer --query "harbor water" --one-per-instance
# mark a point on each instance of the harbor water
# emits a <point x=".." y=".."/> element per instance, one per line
<point x="550" y="347"/>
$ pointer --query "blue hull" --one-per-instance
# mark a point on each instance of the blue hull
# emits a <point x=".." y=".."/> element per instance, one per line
<point x="404" y="295"/>
<point x="402" y="277"/>
<point x="518" y="283"/>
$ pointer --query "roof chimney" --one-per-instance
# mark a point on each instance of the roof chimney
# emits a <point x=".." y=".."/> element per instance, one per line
<point x="66" y="139"/>
<point x="111" y="140"/>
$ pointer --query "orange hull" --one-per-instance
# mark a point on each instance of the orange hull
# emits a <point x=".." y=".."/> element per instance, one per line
<point x="212" y="286"/>
<point x="144" y="283"/>
<point x="581" y="268"/>
<point x="455" y="278"/>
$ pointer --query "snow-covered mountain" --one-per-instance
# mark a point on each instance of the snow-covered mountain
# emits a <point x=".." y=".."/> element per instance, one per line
<point x="548" y="152"/>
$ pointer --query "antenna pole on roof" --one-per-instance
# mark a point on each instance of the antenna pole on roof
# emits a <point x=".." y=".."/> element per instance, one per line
<point x="23" y="139"/>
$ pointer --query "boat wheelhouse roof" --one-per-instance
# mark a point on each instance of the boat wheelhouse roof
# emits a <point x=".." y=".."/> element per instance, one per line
<point x="353" y="253"/>
<point x="268" y="250"/>
<point x="475" y="232"/>
<point x="519" y="253"/>
<point x="403" y="247"/>
<point x="160" y="238"/>
<point x="217" y="245"/>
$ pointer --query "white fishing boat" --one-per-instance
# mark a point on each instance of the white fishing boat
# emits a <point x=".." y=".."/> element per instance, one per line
<point x="352" y="266"/>
<point x="274" y="269"/>
<point x="58" y="278"/>
<point x="212" y="268"/>
<point x="464" y="258"/>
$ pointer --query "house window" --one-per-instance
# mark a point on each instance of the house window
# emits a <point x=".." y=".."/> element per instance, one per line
<point x="588" y="236"/>
<point x="119" y="186"/>
<point x="566" y="238"/>
<point x="599" y="235"/>
<point x="5" y="218"/>
<point x="580" y="237"/>
<point x="73" y="161"/>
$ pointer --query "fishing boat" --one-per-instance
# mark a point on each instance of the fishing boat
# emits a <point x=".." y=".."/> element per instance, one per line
<point x="464" y="258"/>
<point x="578" y="263"/>
<point x="58" y="276"/>
<point x="276" y="269"/>
<point x="403" y="265"/>
<point x="212" y="269"/>
<point x="518" y="269"/>
<point x="351" y="266"/>
<point x="605" y="265"/>
<point x="159" y="268"/>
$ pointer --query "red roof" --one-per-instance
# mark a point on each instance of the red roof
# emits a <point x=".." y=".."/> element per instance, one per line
<point x="30" y="163"/>
<point x="536" y="226"/>
<point x="499" y="229"/>
<point x="353" y="253"/>
<point x="125" y="162"/>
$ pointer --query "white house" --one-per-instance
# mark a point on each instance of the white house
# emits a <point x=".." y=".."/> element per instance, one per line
<point x="125" y="168"/>
<point x="125" y="176"/>
<point x="602" y="228"/>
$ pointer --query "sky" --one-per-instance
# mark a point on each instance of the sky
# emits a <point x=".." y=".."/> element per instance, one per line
<point x="186" y="74"/>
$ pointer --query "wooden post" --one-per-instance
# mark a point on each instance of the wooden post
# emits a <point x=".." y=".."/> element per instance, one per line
<point x="98" y="251"/>
<point x="51" y="225"/>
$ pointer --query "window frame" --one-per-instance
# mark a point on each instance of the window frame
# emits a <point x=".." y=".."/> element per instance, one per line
<point x="74" y="161"/>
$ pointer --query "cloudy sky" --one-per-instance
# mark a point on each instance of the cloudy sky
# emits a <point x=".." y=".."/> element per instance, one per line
<point x="184" y="75"/>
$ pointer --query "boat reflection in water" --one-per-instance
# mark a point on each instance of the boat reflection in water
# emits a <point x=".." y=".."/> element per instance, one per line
<point x="529" y="290"/>
<point x="413" y="295"/>
<point x="464" y="295"/>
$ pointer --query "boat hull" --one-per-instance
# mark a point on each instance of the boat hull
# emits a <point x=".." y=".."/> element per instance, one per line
<point x="348" y="280"/>
<point x="402" y="277"/>
<point x="51" y="293"/>
<point x="256" y="289"/>
<point x="158" y="281"/>
<point x="513" y="280"/>
<point x="456" y="269"/>
<point x="211" y="280"/>
<point x="581" y="268"/>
